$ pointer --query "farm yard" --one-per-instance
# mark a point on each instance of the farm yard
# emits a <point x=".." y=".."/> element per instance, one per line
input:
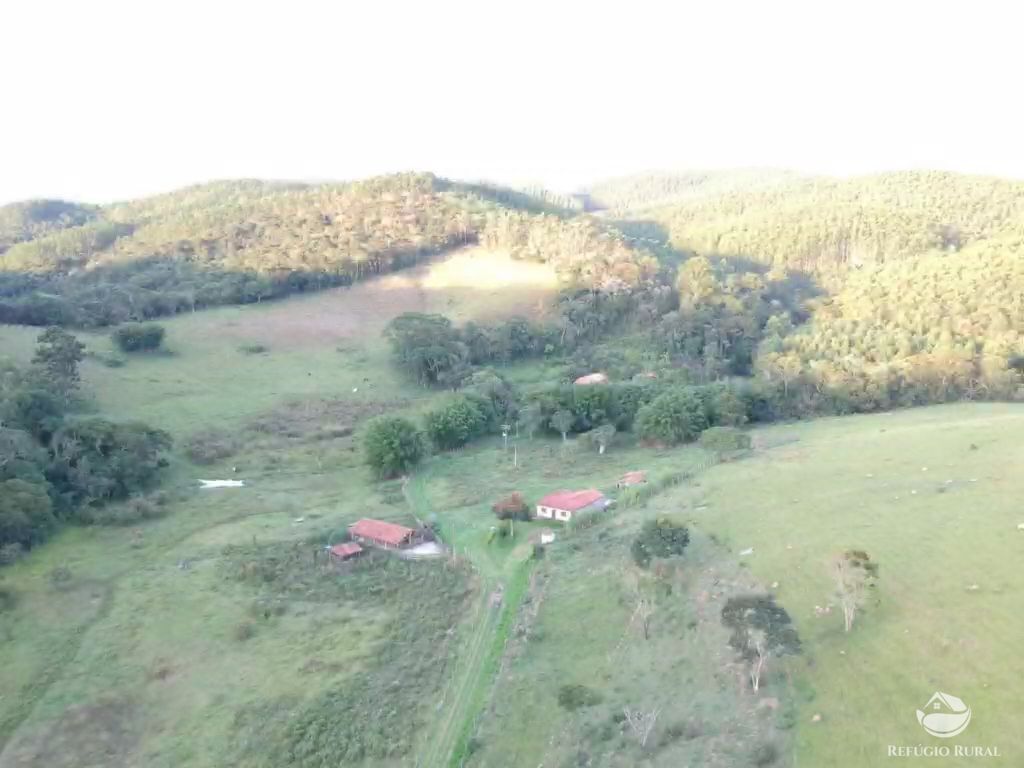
<point x="218" y="635"/>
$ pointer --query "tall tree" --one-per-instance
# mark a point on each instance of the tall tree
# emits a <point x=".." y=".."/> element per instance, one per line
<point x="57" y="356"/>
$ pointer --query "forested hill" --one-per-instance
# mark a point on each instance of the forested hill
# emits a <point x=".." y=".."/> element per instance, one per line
<point x="824" y="225"/>
<point x="245" y="241"/>
<point x="933" y="329"/>
<point x="658" y="188"/>
<point x="28" y="220"/>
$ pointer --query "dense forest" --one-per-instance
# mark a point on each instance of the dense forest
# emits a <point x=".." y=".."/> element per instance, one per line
<point x="932" y="329"/>
<point x="824" y="226"/>
<point x="247" y="241"/>
<point x="644" y="190"/>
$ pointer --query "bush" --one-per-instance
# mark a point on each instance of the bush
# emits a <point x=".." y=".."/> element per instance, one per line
<point x="512" y="507"/>
<point x="210" y="446"/>
<point x="10" y="553"/>
<point x="573" y="697"/>
<point x="254" y="349"/>
<point x="659" y="538"/>
<point x="8" y="599"/>
<point x="724" y="440"/>
<point x="393" y="446"/>
<point x="455" y="423"/>
<point x="764" y="754"/>
<point x="138" y="337"/>
<point x="130" y="512"/>
<point x="60" y="576"/>
<point x="245" y="630"/>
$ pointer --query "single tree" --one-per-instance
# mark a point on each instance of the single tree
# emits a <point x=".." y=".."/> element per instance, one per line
<point x="663" y="537"/>
<point x="855" y="576"/>
<point x="393" y="445"/>
<point x="641" y="723"/>
<point x="562" y="421"/>
<point x="602" y="436"/>
<point x="531" y="417"/>
<point x="57" y="356"/>
<point x="761" y="629"/>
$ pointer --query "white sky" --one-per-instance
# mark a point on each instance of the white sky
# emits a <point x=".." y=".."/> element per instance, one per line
<point x="103" y="100"/>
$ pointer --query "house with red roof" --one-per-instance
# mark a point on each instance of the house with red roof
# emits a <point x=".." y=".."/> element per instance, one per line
<point x="377" y="533"/>
<point x="562" y="505"/>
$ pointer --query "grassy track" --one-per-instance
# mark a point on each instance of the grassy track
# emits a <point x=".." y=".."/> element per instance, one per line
<point x="467" y="692"/>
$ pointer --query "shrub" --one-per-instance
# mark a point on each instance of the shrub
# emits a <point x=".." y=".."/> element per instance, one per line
<point x="573" y="697"/>
<point x="10" y="553"/>
<point x="138" y="337"/>
<point x="393" y="446"/>
<point x="659" y="538"/>
<point x="136" y="510"/>
<point x="455" y="423"/>
<point x="512" y="507"/>
<point x="8" y="599"/>
<point x="764" y="754"/>
<point x="724" y="440"/>
<point x="210" y="446"/>
<point x="245" y="630"/>
<point x="60" y="576"/>
<point x="254" y="349"/>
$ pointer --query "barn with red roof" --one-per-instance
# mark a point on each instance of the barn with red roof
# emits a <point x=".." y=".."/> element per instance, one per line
<point x="562" y="505"/>
<point x="378" y="533"/>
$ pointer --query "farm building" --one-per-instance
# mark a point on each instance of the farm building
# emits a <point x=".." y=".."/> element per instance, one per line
<point x="638" y="477"/>
<point x="377" y="533"/>
<point x="346" y="551"/>
<point x="562" y="505"/>
<point x="592" y="378"/>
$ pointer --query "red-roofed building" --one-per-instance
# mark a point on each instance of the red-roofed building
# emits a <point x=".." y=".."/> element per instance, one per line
<point x="346" y="551"/>
<point x="562" y="505"/>
<point x="638" y="477"/>
<point x="377" y="533"/>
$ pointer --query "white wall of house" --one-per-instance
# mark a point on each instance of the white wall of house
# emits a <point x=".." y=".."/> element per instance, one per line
<point x="553" y="512"/>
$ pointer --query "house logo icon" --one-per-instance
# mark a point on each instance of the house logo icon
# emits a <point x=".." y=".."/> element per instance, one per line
<point x="944" y="715"/>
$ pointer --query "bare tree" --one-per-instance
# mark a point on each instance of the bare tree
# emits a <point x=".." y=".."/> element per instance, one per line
<point x="641" y="723"/>
<point x="644" y="607"/>
<point x="855" y="575"/>
<point x="759" y="641"/>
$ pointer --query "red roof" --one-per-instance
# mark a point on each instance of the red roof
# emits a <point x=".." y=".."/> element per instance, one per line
<point x="378" y="530"/>
<point x="348" y="549"/>
<point x="571" y="500"/>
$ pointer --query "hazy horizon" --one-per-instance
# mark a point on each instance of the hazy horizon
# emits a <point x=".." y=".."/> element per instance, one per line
<point x="114" y="101"/>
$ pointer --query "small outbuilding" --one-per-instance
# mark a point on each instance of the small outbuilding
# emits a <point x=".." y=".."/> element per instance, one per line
<point x="346" y="551"/>
<point x="592" y="378"/>
<point x="562" y="505"/>
<point x="377" y="533"/>
<point x="628" y="480"/>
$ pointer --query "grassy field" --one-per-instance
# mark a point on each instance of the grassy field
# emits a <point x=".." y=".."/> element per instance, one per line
<point x="137" y="659"/>
<point x="934" y="496"/>
<point x="162" y="651"/>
